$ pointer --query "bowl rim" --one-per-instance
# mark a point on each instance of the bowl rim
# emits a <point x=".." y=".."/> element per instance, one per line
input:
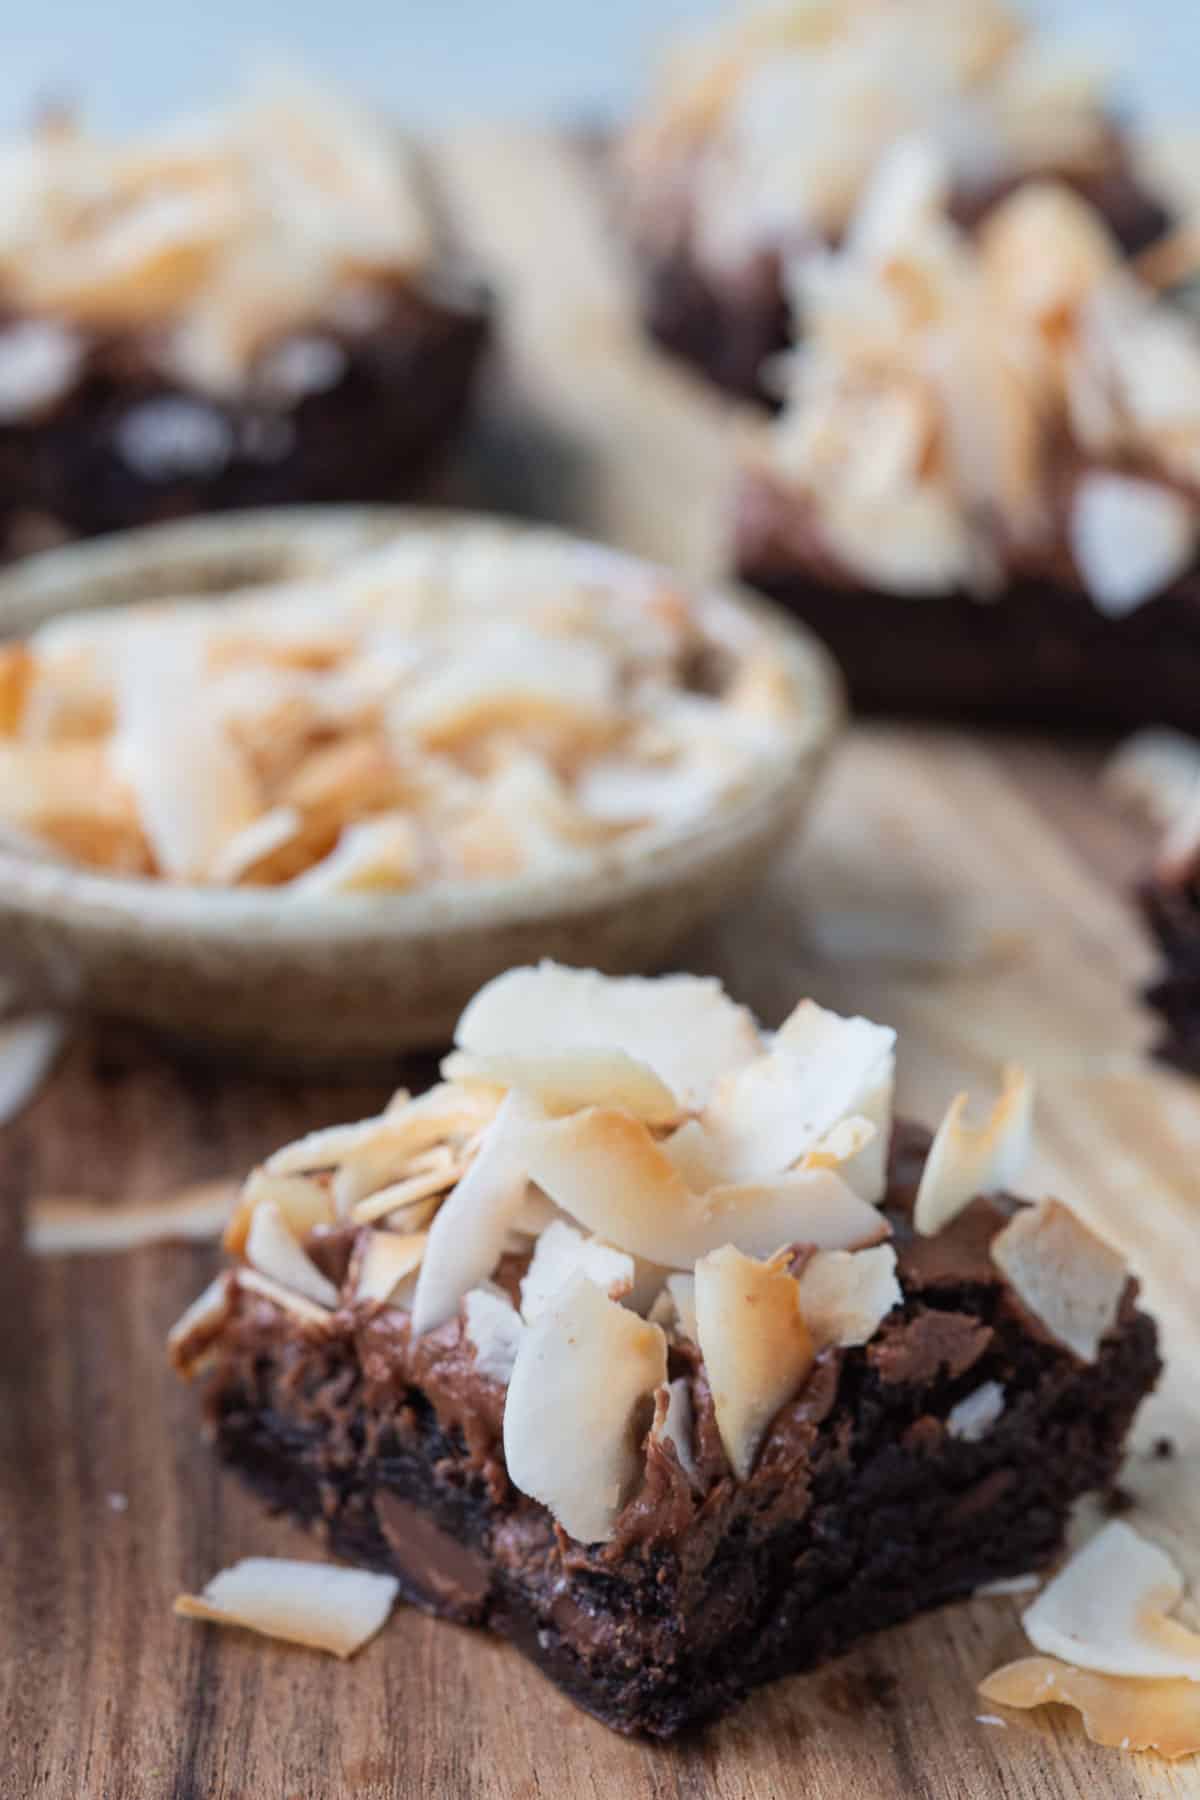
<point x="128" y="566"/>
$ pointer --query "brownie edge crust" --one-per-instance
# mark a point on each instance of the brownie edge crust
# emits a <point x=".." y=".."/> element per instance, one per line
<point x="127" y="445"/>
<point x="876" y="1495"/>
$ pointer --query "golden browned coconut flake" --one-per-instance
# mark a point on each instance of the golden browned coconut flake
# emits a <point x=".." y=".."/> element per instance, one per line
<point x="315" y="1604"/>
<point x="1111" y="1649"/>
<point x="665" y="1171"/>
<point x="941" y="375"/>
<point x="219" y="238"/>
<point x="771" y="122"/>
<point x="435" y="712"/>
<point x="66" y="1226"/>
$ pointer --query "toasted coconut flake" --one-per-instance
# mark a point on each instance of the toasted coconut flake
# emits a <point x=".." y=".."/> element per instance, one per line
<point x="380" y="1149"/>
<point x="570" y="685"/>
<point x="243" y="853"/>
<point x="673" y="1425"/>
<point x="1108" y="1610"/>
<point x="421" y="716"/>
<point x="756" y="1347"/>
<point x="286" y="1299"/>
<point x="976" y="1413"/>
<point x="1068" y="1277"/>
<point x="272" y="1249"/>
<point x="197" y="1328"/>
<point x="606" y="1170"/>
<point x="844" y="1297"/>
<point x="1131" y="539"/>
<point x="28" y="1049"/>
<point x="821" y="1070"/>
<point x="965" y="1160"/>
<point x="1117" y="1711"/>
<point x="684" y="1027"/>
<point x="194" y="790"/>
<point x="304" y="1200"/>
<point x="378" y="855"/>
<point x="559" y="1255"/>
<point x="410" y="1195"/>
<point x="66" y="1227"/>
<point x="567" y="1081"/>
<point x="467" y="1237"/>
<point x="494" y="1328"/>
<point x="1155" y="773"/>
<point x="389" y="1257"/>
<point x="674" y="1306"/>
<point x="315" y="1604"/>
<point x="585" y="1358"/>
<point x="1045" y="251"/>
<point x="914" y="543"/>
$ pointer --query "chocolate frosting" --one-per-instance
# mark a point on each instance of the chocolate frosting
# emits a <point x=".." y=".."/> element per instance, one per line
<point x="389" y="1377"/>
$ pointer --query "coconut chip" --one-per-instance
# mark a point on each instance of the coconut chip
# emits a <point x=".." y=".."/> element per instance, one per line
<point x="844" y="1298"/>
<point x="467" y="1237"/>
<point x="68" y="1227"/>
<point x="273" y="1250"/>
<point x="684" y="1027"/>
<point x="821" y="1069"/>
<point x="305" y="1312"/>
<point x="1108" y="1610"/>
<point x="494" y="1328"/>
<point x="1131" y="539"/>
<point x="1155" y="773"/>
<point x="420" y="716"/>
<point x="559" y="1255"/>
<point x="1117" y="1711"/>
<point x="388" y="1259"/>
<point x="965" y="1161"/>
<point x="566" y="1081"/>
<point x="1068" y="1277"/>
<point x="974" y="1415"/>
<point x="315" y="1604"/>
<point x="673" y="1425"/>
<point x="416" y="1193"/>
<point x="304" y="1200"/>
<point x="756" y="1347"/>
<point x="606" y="1170"/>
<point x="940" y="376"/>
<point x="28" y="1049"/>
<point x="198" y="1327"/>
<point x="585" y="1360"/>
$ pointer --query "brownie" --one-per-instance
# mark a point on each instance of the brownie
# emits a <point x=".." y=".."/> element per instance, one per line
<point x="1170" y="902"/>
<point x="972" y="492"/>
<point x="128" y="443"/>
<point x="1039" y="653"/>
<point x="865" y="1503"/>
<point x="258" y="307"/>
<point x="727" y="322"/>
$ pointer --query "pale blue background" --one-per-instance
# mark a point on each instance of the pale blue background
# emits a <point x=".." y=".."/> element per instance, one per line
<point x="442" y="59"/>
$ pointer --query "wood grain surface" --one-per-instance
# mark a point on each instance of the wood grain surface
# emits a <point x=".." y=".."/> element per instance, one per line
<point x="970" y="891"/>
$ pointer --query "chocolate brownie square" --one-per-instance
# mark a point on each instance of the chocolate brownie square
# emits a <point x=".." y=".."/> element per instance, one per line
<point x="655" y="1346"/>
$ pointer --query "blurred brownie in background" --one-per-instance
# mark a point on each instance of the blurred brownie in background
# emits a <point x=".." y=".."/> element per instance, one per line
<point x="246" y="309"/>
<point x="1158" y="773"/>
<point x="764" y="132"/>
<point x="983" y="489"/>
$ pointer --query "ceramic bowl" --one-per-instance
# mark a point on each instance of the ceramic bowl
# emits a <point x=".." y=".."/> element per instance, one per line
<point x="347" y="979"/>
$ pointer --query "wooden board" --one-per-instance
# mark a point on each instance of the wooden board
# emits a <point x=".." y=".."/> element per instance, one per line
<point x="971" y="892"/>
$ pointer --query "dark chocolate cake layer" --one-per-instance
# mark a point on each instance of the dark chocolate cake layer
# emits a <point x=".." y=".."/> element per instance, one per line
<point x="127" y="446"/>
<point x="1039" y="653"/>
<point x="1171" y="908"/>
<point x="871" y="1499"/>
